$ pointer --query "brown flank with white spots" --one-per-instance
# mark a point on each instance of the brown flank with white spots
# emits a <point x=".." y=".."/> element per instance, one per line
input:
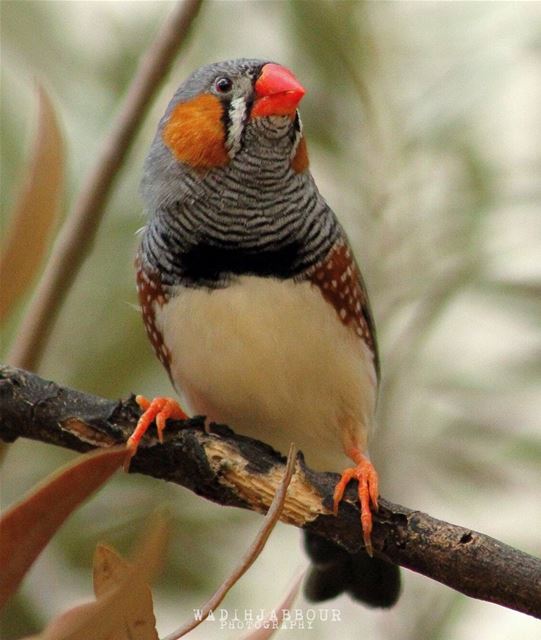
<point x="150" y="291"/>
<point x="338" y="277"/>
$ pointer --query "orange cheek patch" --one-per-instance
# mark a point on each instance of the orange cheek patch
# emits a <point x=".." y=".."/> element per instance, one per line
<point x="300" y="160"/>
<point x="195" y="133"/>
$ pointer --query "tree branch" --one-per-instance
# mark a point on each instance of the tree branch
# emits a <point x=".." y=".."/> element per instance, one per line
<point x="233" y="470"/>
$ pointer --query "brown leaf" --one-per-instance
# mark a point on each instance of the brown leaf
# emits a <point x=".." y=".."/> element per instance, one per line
<point x="109" y="570"/>
<point x="130" y="611"/>
<point x="36" y="209"/>
<point x="28" y="526"/>
<point x="123" y="608"/>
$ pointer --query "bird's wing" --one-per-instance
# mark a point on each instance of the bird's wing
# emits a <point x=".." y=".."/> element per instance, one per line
<point x="152" y="293"/>
<point x="340" y="280"/>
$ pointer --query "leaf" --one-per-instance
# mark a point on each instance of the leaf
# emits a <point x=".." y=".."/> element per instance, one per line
<point x="109" y="570"/>
<point x="28" y="526"/>
<point x="123" y="608"/>
<point x="131" y="613"/>
<point x="36" y="209"/>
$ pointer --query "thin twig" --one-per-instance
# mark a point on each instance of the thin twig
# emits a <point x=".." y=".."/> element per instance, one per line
<point x="77" y="234"/>
<point x="272" y="517"/>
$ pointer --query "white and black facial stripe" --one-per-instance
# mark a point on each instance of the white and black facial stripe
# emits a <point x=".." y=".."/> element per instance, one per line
<point x="234" y="119"/>
<point x="235" y="91"/>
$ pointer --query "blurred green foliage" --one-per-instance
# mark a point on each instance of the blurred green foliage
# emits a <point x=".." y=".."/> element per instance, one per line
<point x="423" y="123"/>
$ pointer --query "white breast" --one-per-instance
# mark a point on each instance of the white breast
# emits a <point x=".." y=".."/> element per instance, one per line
<point x="271" y="359"/>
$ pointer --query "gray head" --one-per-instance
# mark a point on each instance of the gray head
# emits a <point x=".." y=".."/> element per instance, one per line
<point x="222" y="110"/>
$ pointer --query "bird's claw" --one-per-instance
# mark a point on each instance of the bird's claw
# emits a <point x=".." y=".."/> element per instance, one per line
<point x="367" y="478"/>
<point x="159" y="409"/>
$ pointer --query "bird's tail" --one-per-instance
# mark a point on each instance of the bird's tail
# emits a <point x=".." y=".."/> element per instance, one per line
<point x="372" y="581"/>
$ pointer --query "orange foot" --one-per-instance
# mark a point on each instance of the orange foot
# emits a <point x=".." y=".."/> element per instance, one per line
<point x="367" y="477"/>
<point x="160" y="409"/>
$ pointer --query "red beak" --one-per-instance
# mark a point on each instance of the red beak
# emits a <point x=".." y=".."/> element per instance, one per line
<point x="277" y="92"/>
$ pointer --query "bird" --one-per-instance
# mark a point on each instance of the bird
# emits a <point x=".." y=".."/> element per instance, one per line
<point x="253" y="300"/>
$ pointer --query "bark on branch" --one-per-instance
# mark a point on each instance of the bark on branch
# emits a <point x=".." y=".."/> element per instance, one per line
<point x="233" y="470"/>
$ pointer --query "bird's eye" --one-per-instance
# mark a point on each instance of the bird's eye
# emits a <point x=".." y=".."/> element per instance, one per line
<point x="223" y="85"/>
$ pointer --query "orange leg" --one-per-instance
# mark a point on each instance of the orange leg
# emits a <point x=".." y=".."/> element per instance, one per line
<point x="159" y="409"/>
<point x="367" y="478"/>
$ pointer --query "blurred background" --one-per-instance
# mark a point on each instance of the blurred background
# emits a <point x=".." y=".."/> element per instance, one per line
<point x="424" y="129"/>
